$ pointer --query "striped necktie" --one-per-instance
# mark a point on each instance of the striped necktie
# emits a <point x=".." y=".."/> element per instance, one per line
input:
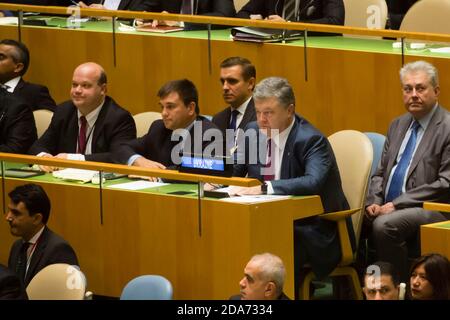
<point x="290" y="10"/>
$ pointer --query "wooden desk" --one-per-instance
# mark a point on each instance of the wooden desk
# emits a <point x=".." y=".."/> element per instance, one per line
<point x="354" y="82"/>
<point x="435" y="237"/>
<point x="158" y="233"/>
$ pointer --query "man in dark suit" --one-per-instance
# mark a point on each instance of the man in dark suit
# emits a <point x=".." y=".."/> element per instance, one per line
<point x="310" y="11"/>
<point x="88" y="127"/>
<point x="17" y="126"/>
<point x="397" y="10"/>
<point x="11" y="287"/>
<point x="414" y="167"/>
<point x="238" y="77"/>
<point x="217" y="8"/>
<point x="181" y="130"/>
<point x="263" y="279"/>
<point x="28" y="213"/>
<point x="14" y="62"/>
<point x="292" y="157"/>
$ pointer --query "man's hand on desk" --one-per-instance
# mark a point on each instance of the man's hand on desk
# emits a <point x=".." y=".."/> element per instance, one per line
<point x="145" y="163"/>
<point x="47" y="168"/>
<point x="275" y="18"/>
<point x="242" y="191"/>
<point x="156" y="23"/>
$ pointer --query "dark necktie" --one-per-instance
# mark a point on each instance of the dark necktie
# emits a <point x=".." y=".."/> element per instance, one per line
<point x="396" y="186"/>
<point x="187" y="7"/>
<point x="82" y="136"/>
<point x="232" y="124"/>
<point x="269" y="167"/>
<point x="21" y="266"/>
<point x="289" y="10"/>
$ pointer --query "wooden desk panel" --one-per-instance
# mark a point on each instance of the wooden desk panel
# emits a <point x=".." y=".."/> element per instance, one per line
<point x="346" y="89"/>
<point x="144" y="233"/>
<point x="435" y="238"/>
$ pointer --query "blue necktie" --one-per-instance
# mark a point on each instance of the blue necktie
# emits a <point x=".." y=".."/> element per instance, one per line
<point x="234" y="115"/>
<point x="395" y="189"/>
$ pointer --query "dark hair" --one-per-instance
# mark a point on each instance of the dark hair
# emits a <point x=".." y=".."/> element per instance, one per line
<point x="20" y="55"/>
<point x="185" y="89"/>
<point x="102" y="79"/>
<point x="248" y="69"/>
<point x="437" y="269"/>
<point x="34" y="198"/>
<point x="387" y="269"/>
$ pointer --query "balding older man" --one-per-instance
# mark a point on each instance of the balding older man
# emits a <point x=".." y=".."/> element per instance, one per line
<point x="90" y="126"/>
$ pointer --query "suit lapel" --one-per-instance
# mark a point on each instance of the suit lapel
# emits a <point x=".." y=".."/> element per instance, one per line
<point x="248" y="115"/>
<point x="426" y="139"/>
<point x="123" y="4"/>
<point x="288" y="151"/>
<point x="37" y="255"/>
<point x="72" y="131"/>
<point x="397" y="142"/>
<point x="99" y="123"/>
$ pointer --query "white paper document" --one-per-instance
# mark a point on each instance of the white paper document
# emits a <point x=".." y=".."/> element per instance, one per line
<point x="75" y="174"/>
<point x="137" y="185"/>
<point x="255" y="199"/>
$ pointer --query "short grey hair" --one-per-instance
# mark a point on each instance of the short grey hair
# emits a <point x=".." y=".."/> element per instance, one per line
<point x="272" y="269"/>
<point x="423" y="66"/>
<point x="276" y="87"/>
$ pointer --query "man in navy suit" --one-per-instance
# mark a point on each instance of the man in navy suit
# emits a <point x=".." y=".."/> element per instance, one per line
<point x="14" y="63"/>
<point x="90" y="126"/>
<point x="181" y="128"/>
<point x="291" y="157"/>
<point x="28" y="213"/>
<point x="238" y="76"/>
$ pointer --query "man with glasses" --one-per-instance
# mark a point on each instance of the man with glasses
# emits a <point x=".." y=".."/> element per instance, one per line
<point x="414" y="167"/>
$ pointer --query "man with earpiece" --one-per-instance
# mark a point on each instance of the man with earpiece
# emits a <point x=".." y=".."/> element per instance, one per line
<point x="309" y="11"/>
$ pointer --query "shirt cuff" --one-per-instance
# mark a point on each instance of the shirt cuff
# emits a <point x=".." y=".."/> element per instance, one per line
<point x="75" y="156"/>
<point x="133" y="158"/>
<point x="269" y="188"/>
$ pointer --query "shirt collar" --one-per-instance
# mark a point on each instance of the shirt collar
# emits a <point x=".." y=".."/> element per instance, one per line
<point x="12" y="84"/>
<point x="92" y="116"/>
<point x="36" y="236"/>
<point x="243" y="106"/>
<point x="281" y="138"/>
<point x="425" y="121"/>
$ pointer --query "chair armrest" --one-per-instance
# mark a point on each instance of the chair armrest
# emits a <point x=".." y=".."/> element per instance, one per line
<point x="339" y="215"/>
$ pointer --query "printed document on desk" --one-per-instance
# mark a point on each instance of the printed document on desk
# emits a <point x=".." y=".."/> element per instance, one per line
<point x="137" y="185"/>
<point x="255" y="199"/>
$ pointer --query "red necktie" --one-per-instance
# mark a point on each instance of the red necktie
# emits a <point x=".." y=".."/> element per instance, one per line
<point x="269" y="168"/>
<point x="82" y="136"/>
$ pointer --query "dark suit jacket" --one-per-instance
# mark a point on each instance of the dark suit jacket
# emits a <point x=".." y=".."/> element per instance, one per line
<point x="222" y="119"/>
<point x="132" y="5"/>
<point x="218" y="8"/>
<point x="397" y="10"/>
<point x="428" y="178"/>
<point x="10" y="286"/>
<point x="17" y="127"/>
<point x="326" y="11"/>
<point x="35" y="95"/>
<point x="114" y="125"/>
<point x="50" y="249"/>
<point x="156" y="145"/>
<point x="281" y="297"/>
<point x="308" y="168"/>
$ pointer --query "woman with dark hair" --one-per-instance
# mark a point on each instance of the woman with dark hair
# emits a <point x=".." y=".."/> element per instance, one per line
<point x="430" y="278"/>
